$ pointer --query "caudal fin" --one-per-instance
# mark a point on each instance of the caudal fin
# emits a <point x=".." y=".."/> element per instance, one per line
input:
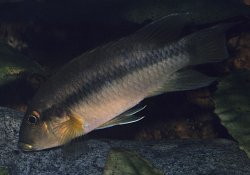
<point x="208" y="45"/>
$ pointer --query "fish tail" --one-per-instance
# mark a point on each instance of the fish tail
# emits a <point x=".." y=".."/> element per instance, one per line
<point x="205" y="46"/>
<point x="208" y="45"/>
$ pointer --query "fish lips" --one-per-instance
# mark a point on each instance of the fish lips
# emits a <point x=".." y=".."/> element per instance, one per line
<point x="25" y="147"/>
<point x="29" y="148"/>
<point x="37" y="142"/>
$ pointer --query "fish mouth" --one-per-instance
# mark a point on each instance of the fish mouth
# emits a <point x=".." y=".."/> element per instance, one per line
<point x="25" y="146"/>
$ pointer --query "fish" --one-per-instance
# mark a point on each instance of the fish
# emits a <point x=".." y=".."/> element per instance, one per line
<point x="116" y="12"/>
<point x="201" y="11"/>
<point x="13" y="64"/>
<point x="105" y="86"/>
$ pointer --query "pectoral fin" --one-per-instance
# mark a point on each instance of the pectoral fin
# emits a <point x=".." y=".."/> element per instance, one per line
<point x="69" y="129"/>
<point x="125" y="118"/>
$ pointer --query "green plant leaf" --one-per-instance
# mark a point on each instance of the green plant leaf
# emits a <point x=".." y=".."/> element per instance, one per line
<point x="232" y="101"/>
<point x="126" y="162"/>
<point x="3" y="171"/>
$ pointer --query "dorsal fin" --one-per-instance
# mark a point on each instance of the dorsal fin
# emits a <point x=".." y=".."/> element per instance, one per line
<point x="156" y="34"/>
<point x="165" y="30"/>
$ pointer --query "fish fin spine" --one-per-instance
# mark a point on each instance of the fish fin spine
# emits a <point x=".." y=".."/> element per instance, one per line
<point x="125" y="118"/>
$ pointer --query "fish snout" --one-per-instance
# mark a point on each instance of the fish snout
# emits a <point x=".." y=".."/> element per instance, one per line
<point x="25" y="147"/>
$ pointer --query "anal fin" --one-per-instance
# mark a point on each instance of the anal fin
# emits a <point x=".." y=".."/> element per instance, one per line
<point x="184" y="80"/>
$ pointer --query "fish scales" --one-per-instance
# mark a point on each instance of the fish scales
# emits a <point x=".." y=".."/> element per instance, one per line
<point x="107" y="82"/>
<point x="89" y="81"/>
<point x="91" y="94"/>
<point x="135" y="62"/>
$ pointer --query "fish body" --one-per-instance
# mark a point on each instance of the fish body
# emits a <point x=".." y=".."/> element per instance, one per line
<point x="116" y="12"/>
<point x="13" y="64"/>
<point x="202" y="11"/>
<point x="96" y="87"/>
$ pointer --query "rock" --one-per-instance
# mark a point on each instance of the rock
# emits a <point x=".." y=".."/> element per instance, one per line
<point x="241" y="45"/>
<point x="247" y="2"/>
<point x="216" y="156"/>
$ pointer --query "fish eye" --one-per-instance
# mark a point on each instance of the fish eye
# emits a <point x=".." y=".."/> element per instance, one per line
<point x="33" y="118"/>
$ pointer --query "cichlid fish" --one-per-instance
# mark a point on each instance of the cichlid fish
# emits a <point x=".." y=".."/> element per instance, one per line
<point x="13" y="64"/>
<point x="100" y="88"/>
<point x="201" y="11"/>
<point x="116" y="12"/>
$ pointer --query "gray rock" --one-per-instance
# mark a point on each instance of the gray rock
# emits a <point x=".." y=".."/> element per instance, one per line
<point x="180" y="157"/>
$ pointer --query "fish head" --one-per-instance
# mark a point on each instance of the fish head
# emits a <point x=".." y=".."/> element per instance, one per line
<point x="46" y="130"/>
<point x="35" y="134"/>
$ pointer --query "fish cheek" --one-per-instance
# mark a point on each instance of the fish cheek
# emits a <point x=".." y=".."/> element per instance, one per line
<point x="33" y="134"/>
<point x="28" y="133"/>
<point x="43" y="137"/>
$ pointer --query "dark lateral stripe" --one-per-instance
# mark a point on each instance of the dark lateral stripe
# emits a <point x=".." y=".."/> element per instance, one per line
<point x="112" y="73"/>
<point x="102" y="80"/>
